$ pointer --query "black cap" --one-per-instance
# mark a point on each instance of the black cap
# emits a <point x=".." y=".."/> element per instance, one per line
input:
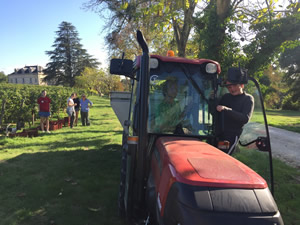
<point x="236" y="75"/>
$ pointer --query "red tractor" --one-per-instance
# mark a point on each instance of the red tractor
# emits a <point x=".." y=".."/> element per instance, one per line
<point x="179" y="175"/>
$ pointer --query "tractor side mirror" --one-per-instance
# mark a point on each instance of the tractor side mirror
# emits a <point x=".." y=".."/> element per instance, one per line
<point x="122" y="67"/>
<point x="262" y="144"/>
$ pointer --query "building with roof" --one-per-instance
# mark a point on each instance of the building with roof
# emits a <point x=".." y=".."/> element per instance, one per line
<point x="27" y="75"/>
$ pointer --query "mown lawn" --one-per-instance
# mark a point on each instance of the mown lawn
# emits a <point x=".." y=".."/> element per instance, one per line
<point x="71" y="176"/>
<point x="284" y="119"/>
<point x="68" y="177"/>
<point x="286" y="182"/>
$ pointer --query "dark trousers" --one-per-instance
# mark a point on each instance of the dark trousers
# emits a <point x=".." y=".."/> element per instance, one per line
<point x="233" y="140"/>
<point x="85" y="118"/>
<point x="72" y="119"/>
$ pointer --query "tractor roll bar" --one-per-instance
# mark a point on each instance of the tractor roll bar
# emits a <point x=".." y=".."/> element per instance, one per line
<point x="142" y="119"/>
<point x="267" y="133"/>
<point x="142" y="42"/>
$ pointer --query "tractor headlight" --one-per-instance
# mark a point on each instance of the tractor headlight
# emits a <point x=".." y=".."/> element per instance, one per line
<point x="153" y="63"/>
<point x="211" y="68"/>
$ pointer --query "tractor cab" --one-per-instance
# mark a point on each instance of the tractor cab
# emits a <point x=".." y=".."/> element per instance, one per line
<point x="174" y="169"/>
<point x="179" y="97"/>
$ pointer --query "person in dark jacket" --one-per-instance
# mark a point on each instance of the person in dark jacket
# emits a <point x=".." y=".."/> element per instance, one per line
<point x="237" y="108"/>
<point x="77" y="108"/>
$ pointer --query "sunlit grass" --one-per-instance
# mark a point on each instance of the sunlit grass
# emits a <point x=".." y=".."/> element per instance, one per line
<point x="286" y="182"/>
<point x="70" y="176"/>
<point x="284" y="119"/>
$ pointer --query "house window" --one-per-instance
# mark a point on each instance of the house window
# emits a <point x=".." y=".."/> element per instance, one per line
<point x="23" y="80"/>
<point x="30" y="80"/>
<point x="16" y="79"/>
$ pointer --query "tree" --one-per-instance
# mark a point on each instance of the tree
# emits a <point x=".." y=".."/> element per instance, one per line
<point x="3" y="78"/>
<point x="98" y="81"/>
<point x="68" y="59"/>
<point x="214" y="33"/>
<point x="272" y="86"/>
<point x="290" y="61"/>
<point x="181" y="13"/>
<point x="269" y="39"/>
<point x="169" y="22"/>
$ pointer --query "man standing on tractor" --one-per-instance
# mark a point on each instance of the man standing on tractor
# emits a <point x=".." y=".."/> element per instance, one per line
<point x="237" y="108"/>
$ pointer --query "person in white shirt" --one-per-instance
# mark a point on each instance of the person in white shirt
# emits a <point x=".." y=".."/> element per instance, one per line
<point x="71" y="109"/>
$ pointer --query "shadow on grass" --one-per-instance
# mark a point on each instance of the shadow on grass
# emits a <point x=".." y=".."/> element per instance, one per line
<point x="56" y="143"/>
<point x="76" y="139"/>
<point x="62" y="187"/>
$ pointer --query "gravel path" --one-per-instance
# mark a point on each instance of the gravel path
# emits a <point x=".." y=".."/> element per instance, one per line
<point x="286" y="146"/>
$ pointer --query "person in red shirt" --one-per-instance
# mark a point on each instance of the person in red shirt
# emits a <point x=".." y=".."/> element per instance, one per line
<point x="44" y="110"/>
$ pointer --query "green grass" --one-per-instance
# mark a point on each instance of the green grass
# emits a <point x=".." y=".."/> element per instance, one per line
<point x="71" y="176"/>
<point x="286" y="183"/>
<point x="284" y="119"/>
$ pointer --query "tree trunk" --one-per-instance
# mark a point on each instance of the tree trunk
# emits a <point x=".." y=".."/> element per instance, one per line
<point x="20" y="121"/>
<point x="218" y="11"/>
<point x="2" y="111"/>
<point x="33" y="117"/>
<point x="182" y="33"/>
<point x="223" y="7"/>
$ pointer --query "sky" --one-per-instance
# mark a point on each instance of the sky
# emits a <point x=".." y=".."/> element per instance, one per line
<point x="27" y="30"/>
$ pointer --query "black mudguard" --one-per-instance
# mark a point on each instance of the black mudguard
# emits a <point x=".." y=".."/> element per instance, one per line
<point x="193" y="205"/>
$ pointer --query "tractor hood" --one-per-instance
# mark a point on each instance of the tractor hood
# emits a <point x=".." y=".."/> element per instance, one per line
<point x="194" y="162"/>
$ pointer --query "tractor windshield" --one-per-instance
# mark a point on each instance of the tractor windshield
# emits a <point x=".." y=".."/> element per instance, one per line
<point x="178" y="100"/>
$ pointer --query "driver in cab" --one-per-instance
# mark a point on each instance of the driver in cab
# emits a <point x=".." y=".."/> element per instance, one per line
<point x="169" y="116"/>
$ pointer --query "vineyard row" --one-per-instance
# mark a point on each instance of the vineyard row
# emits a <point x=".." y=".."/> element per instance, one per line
<point x="18" y="103"/>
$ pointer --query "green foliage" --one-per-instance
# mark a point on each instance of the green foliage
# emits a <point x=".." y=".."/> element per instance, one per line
<point x="289" y="104"/>
<point x="290" y="61"/>
<point x="270" y="36"/>
<point x="126" y="84"/>
<point x="68" y="59"/>
<point x="3" y="78"/>
<point x="165" y="24"/>
<point x="215" y="37"/>
<point x="272" y="86"/>
<point x="21" y="101"/>
<point x="98" y="81"/>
